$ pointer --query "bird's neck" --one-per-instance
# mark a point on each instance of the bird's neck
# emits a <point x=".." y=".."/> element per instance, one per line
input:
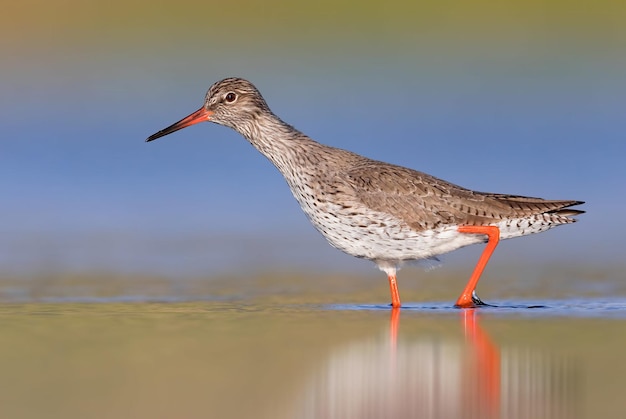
<point x="281" y="143"/>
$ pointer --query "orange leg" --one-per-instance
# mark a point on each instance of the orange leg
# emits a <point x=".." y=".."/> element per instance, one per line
<point x="468" y="297"/>
<point x="393" y="287"/>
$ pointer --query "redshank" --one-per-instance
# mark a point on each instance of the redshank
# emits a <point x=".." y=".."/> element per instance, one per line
<point x="374" y="210"/>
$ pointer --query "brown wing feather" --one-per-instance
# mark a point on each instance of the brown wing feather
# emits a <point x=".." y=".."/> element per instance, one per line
<point x="424" y="201"/>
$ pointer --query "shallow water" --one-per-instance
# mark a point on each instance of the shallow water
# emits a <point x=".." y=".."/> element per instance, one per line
<point x="290" y="346"/>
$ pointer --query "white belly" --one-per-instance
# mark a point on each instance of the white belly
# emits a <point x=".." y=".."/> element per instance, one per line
<point x="381" y="237"/>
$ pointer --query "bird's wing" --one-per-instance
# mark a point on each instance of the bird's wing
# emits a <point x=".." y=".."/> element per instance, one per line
<point x="425" y="202"/>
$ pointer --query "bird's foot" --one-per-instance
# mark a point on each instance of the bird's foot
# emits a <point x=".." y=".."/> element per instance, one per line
<point x="473" y="302"/>
<point x="477" y="301"/>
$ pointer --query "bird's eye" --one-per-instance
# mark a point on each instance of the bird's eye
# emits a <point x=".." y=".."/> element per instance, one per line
<point x="230" y="97"/>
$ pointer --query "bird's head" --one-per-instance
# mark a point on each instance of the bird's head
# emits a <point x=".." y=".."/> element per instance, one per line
<point x="233" y="102"/>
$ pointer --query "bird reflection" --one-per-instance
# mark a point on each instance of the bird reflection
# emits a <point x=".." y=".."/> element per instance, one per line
<point x="393" y="377"/>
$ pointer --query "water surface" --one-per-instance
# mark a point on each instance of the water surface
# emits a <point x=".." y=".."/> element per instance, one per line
<point x="304" y="351"/>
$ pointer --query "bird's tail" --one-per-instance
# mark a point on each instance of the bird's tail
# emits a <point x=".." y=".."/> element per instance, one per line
<point x="528" y="206"/>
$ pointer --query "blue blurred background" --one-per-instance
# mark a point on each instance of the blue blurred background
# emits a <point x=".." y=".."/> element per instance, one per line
<point x="522" y="97"/>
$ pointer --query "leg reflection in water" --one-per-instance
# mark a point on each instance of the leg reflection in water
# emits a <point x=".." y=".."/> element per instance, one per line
<point x="433" y="367"/>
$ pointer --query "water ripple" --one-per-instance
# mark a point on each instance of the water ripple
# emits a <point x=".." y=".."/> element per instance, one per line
<point x="602" y="308"/>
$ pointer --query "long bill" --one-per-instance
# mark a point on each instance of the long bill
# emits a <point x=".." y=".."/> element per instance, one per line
<point x="200" y="115"/>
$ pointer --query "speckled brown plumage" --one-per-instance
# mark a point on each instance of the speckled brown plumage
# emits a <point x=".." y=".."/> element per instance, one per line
<point x="367" y="208"/>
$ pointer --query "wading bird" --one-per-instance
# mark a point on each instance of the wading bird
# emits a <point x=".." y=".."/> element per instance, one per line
<point x="374" y="210"/>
